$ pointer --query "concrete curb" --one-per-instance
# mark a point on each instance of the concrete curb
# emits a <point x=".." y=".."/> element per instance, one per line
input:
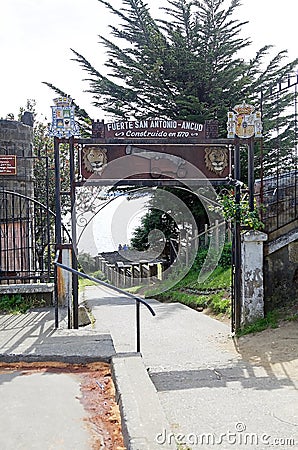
<point x="65" y="346"/>
<point x="143" y="418"/>
<point x="69" y="359"/>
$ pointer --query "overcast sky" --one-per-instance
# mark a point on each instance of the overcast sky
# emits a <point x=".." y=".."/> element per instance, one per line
<point x="36" y="37"/>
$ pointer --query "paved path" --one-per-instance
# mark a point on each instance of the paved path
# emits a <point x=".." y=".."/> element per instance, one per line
<point x="211" y="396"/>
<point x="42" y="411"/>
<point x="32" y="337"/>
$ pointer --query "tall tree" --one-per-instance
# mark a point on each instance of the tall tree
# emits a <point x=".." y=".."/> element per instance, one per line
<point x="160" y="216"/>
<point x="187" y="65"/>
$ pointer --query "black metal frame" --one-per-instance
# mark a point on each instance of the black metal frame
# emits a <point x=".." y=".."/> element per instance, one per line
<point x="137" y="299"/>
<point x="26" y="237"/>
<point x="278" y="186"/>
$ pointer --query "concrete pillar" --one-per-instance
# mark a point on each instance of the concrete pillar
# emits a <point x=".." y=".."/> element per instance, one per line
<point x="131" y="276"/>
<point x="159" y="271"/>
<point x="252" y="286"/>
<point x="64" y="280"/>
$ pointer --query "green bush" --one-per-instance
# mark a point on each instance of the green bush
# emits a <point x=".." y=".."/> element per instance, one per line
<point x="220" y="304"/>
<point x="17" y="304"/>
<point x="270" y="321"/>
<point x="224" y="260"/>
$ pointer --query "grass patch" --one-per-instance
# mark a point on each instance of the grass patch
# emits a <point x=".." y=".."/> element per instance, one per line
<point x="219" y="279"/>
<point x="134" y="289"/>
<point x="292" y="318"/>
<point x="18" y="304"/>
<point x="270" y="321"/>
<point x="84" y="282"/>
<point x="213" y="293"/>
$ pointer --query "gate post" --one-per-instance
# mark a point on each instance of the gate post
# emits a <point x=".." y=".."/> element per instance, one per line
<point x="236" y="303"/>
<point x="252" y="286"/>
<point x="58" y="220"/>
<point x="74" y="322"/>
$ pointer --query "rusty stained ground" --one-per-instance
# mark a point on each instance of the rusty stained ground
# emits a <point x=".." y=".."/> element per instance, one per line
<point x="97" y="397"/>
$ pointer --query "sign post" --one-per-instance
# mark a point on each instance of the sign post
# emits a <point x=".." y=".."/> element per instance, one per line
<point x="8" y="165"/>
<point x="244" y="124"/>
<point x="64" y="127"/>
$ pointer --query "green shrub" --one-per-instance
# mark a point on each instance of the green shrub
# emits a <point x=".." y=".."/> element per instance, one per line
<point x="17" y="304"/>
<point x="220" y="304"/>
<point x="270" y="321"/>
<point x="224" y="260"/>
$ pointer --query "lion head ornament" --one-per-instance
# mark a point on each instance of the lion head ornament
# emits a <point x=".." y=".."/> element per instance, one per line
<point x="95" y="159"/>
<point x="216" y="159"/>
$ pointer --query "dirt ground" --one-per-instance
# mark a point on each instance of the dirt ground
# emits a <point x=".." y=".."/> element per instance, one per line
<point x="97" y="396"/>
<point x="274" y="349"/>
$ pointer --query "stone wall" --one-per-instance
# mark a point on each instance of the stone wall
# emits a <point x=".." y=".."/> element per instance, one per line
<point x="281" y="277"/>
<point x="17" y="139"/>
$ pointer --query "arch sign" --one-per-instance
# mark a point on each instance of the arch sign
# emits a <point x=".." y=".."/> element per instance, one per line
<point x="154" y="150"/>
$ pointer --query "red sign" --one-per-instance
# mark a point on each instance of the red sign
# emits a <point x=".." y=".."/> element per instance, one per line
<point x="8" y="165"/>
<point x="152" y="162"/>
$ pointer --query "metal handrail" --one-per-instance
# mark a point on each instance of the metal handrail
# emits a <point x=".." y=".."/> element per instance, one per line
<point x="137" y="299"/>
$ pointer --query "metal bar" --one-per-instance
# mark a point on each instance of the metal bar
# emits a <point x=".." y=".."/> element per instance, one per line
<point x="262" y="163"/>
<point x="6" y="237"/>
<point x="232" y="285"/>
<point x="296" y="148"/>
<point x="138" y="326"/>
<point x="102" y="283"/>
<point x="17" y="194"/>
<point x="12" y="212"/>
<point x="277" y="168"/>
<point x="138" y="300"/>
<point x="237" y="247"/>
<point x="251" y="178"/>
<point x="75" y="283"/>
<point x="58" y="220"/>
<point x="48" y="220"/>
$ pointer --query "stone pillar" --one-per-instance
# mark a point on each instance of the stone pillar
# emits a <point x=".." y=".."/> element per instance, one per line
<point x="252" y="286"/>
<point x="17" y="139"/>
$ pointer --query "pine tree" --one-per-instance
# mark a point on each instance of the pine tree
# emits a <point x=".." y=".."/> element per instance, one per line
<point x="189" y="65"/>
<point x="184" y="66"/>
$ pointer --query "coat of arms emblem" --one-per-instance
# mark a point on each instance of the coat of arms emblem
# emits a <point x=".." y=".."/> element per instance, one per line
<point x="63" y="119"/>
<point x="244" y="122"/>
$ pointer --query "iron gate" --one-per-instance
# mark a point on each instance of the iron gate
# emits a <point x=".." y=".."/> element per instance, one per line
<point x="277" y="186"/>
<point x="26" y="235"/>
<point x="275" y="170"/>
<point x="26" y="224"/>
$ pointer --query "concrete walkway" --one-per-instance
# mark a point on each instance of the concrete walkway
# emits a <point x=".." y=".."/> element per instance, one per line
<point x="32" y="337"/>
<point x="211" y="397"/>
<point x="42" y="410"/>
<point x="190" y="387"/>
